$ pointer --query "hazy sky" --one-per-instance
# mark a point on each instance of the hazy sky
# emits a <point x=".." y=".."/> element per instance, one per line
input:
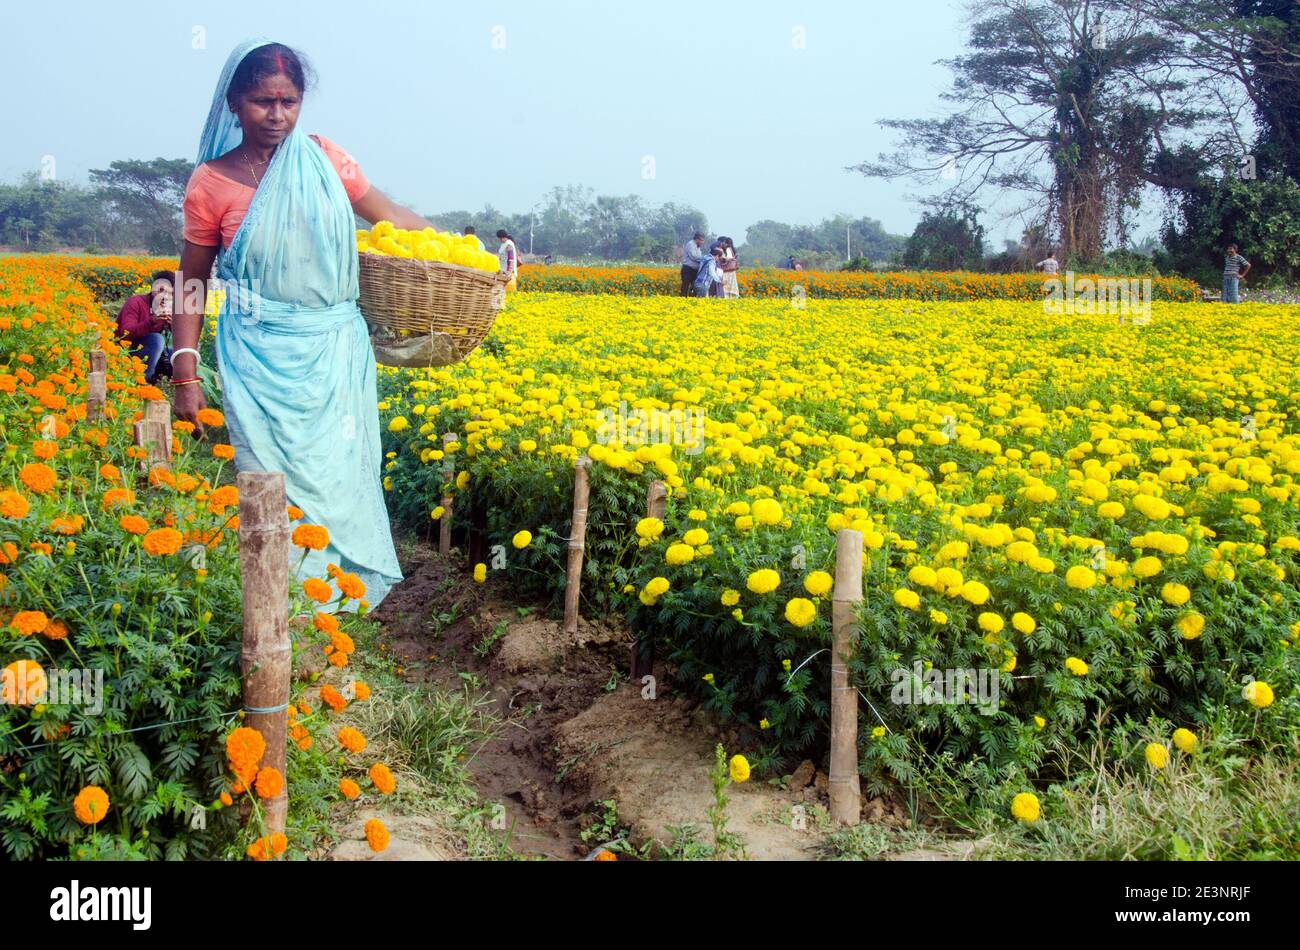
<point x="746" y="110"/>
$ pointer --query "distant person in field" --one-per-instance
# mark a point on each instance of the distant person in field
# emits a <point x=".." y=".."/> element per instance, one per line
<point x="790" y="263"/>
<point x="692" y="258"/>
<point x="708" y="282"/>
<point x="1235" y="269"/>
<point x="730" y="264"/>
<point x="470" y="232"/>
<point x="143" y="321"/>
<point x="1049" y="265"/>
<point x="508" y="254"/>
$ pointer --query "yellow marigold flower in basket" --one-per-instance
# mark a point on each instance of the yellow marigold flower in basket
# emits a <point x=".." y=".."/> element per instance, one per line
<point x="738" y="768"/>
<point x="313" y="536"/>
<point x="1025" y="807"/>
<point x="91" y="805"/>
<point x="763" y="581"/>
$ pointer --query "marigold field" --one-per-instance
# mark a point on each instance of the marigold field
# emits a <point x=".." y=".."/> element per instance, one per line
<point x="1103" y="515"/>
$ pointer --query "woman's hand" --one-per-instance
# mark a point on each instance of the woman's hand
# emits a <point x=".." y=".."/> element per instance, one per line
<point x="187" y="402"/>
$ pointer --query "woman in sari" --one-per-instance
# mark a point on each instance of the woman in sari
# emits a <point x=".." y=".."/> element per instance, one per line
<point x="274" y="208"/>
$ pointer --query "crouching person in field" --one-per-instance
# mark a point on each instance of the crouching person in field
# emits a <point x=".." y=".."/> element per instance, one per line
<point x="143" y="321"/>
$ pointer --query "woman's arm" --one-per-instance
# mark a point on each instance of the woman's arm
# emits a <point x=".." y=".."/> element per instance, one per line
<point x="187" y="328"/>
<point x="374" y="206"/>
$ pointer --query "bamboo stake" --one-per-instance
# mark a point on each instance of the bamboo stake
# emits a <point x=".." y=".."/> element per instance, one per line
<point x="448" y="472"/>
<point x="577" y="544"/>
<point x="96" y="395"/>
<point x="98" y="361"/>
<point x="265" y="658"/>
<point x="154" y="434"/>
<point x="643" y="648"/>
<point x="845" y="790"/>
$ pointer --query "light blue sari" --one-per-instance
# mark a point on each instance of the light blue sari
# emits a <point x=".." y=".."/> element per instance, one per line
<point x="297" y="368"/>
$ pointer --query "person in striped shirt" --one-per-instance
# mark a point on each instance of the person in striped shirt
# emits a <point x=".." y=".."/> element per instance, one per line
<point x="1235" y="267"/>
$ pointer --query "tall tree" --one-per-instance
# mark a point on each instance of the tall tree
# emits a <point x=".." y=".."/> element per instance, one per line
<point x="1071" y="103"/>
<point x="150" y="192"/>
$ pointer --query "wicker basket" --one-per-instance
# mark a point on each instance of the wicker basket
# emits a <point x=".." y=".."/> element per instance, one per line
<point x="423" y="297"/>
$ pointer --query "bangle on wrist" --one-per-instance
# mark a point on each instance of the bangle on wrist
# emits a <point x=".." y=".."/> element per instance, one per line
<point x="184" y="382"/>
<point x="187" y="349"/>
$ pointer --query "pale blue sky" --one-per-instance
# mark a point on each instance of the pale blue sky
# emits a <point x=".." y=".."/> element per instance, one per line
<point x="581" y="93"/>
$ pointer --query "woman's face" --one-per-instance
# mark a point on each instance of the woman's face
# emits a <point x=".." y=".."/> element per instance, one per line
<point x="269" y="112"/>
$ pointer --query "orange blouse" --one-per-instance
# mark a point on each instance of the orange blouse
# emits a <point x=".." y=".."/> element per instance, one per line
<point x="215" y="205"/>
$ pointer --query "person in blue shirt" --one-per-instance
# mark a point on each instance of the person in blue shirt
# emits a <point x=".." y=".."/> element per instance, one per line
<point x="708" y="283"/>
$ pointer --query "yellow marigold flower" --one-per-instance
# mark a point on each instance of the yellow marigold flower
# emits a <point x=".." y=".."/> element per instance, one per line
<point x="763" y="581"/>
<point x="649" y="528"/>
<point x="383" y="778"/>
<point x="1175" y="594"/>
<point x="1258" y="693"/>
<point x="922" y="576"/>
<point x="342" y="642"/>
<point x="818" y="583"/>
<point x="480" y="572"/>
<point x="1157" y="755"/>
<point x="730" y="597"/>
<point x="397" y="424"/>
<point x="678" y="554"/>
<point x="1025" y="807"/>
<point x="225" y="453"/>
<point x="162" y="542"/>
<point x="708" y="678"/>
<point x="1190" y="625"/>
<point x="1185" y="740"/>
<point x="657" y="586"/>
<point x="91" y="805"/>
<point x="1009" y="662"/>
<point x="522" y="539"/>
<point x="1148" y="566"/>
<point x="1112" y="510"/>
<point x="1023" y="623"/>
<point x="376" y="835"/>
<point x="939" y="617"/>
<point x="739" y="768"/>
<point x="800" y="611"/>
<point x="1080" y="577"/>
<point x="696" y="537"/>
<point x="325" y="622"/>
<point x="907" y="599"/>
<point x="878" y="732"/>
<point x="975" y="592"/>
<point x="990" y="622"/>
<point x="766" y="511"/>
<point x="313" y="536"/>
<point x="1039" y="723"/>
<point x="437" y="512"/>
<point x="1076" y="666"/>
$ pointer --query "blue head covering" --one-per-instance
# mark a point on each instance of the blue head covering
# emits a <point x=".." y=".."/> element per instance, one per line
<point x="221" y="132"/>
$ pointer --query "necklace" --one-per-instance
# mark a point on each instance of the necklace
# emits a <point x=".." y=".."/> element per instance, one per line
<point x="251" y="166"/>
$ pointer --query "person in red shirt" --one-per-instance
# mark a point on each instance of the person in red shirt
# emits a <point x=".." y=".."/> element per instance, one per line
<point x="144" y="319"/>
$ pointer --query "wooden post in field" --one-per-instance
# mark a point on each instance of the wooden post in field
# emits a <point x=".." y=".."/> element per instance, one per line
<point x="845" y="790"/>
<point x="97" y="386"/>
<point x="643" y="648"/>
<point x="154" y="434"/>
<point x="265" y="658"/>
<point x="577" y="544"/>
<point x="98" y="361"/>
<point x="449" y="472"/>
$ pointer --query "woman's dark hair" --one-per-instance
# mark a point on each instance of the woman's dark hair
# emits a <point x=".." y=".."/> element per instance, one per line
<point x="273" y="59"/>
<point x="503" y="233"/>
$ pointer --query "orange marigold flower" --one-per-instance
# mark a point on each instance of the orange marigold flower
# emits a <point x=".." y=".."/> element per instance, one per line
<point x="342" y="642"/>
<point x="383" y="778"/>
<point x="312" y="536"/>
<point x="376" y="834"/>
<point x="269" y="783"/>
<point x="351" y="739"/>
<point x="38" y="476"/>
<point x="160" y="476"/>
<point x="67" y="526"/>
<point x="55" y="630"/>
<point x="226" y="799"/>
<point x="211" y="417"/>
<point x="13" y="505"/>
<point x="222" y="498"/>
<point x="91" y="805"/>
<point x="351" y="586"/>
<point x="23" y="683"/>
<point x="118" y="496"/>
<point x="304" y="743"/>
<point x="606" y="855"/>
<point x="325" y="623"/>
<point x="317" y="590"/>
<point x="361" y="690"/>
<point x="8" y="552"/>
<point x="245" y="746"/>
<point x="259" y="848"/>
<point x="223" y="452"/>
<point x="349" y="788"/>
<point x="333" y="570"/>
<point x="332" y="698"/>
<point x="40" y="547"/>
<point x="182" y="425"/>
<point x="45" y="449"/>
<point x="339" y="660"/>
<point x="162" y="542"/>
<point x="133" y="524"/>
<point x="294" y="512"/>
<point x="28" y="622"/>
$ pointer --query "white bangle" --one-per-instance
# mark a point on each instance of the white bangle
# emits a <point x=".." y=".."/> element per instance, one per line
<point x="187" y="349"/>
